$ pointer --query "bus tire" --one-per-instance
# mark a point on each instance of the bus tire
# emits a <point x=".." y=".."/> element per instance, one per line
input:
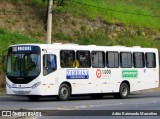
<point x="33" y="97"/>
<point x="123" y="91"/>
<point x="64" y="92"/>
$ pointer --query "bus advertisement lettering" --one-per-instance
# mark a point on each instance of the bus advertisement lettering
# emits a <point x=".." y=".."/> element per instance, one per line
<point x="77" y="74"/>
<point x="103" y="74"/>
<point x="129" y="73"/>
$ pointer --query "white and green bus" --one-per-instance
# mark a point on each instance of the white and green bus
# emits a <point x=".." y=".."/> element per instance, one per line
<point x="64" y="70"/>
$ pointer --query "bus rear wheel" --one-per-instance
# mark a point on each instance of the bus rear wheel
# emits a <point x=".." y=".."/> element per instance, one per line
<point x="64" y="92"/>
<point x="123" y="91"/>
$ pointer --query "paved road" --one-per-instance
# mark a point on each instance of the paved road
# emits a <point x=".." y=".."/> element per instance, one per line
<point x="136" y="101"/>
<point x="139" y="100"/>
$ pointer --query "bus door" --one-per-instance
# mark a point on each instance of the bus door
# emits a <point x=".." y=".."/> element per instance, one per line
<point x="49" y="72"/>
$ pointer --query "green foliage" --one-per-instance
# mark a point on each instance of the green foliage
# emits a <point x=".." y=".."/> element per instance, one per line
<point x="43" y="3"/>
<point x="96" y="38"/>
<point x="37" y="3"/>
<point x="129" y="12"/>
<point x="83" y="28"/>
<point x="64" y="37"/>
<point x="7" y="39"/>
<point x="15" y="1"/>
<point x="99" y="37"/>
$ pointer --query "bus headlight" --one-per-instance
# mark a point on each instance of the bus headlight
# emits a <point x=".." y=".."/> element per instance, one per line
<point x="36" y="85"/>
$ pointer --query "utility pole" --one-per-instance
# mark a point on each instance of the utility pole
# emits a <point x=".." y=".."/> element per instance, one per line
<point x="49" y="21"/>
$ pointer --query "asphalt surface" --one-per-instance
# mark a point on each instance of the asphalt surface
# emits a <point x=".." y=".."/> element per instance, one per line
<point x="135" y="101"/>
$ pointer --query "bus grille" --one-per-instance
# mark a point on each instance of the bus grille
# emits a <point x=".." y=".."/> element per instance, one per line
<point x="22" y="92"/>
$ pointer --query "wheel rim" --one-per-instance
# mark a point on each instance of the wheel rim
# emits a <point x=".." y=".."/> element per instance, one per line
<point x="124" y="91"/>
<point x="64" y="92"/>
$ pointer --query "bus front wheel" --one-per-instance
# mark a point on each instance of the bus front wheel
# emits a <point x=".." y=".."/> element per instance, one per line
<point x="64" y="92"/>
<point x="123" y="91"/>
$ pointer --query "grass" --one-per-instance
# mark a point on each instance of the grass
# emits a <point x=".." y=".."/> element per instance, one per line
<point x="99" y="37"/>
<point x="2" y="84"/>
<point x="131" y="12"/>
<point x="36" y="3"/>
<point x="7" y="39"/>
<point x="137" y="13"/>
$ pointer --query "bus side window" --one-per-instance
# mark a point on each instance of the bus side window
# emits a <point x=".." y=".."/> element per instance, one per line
<point x="98" y="59"/>
<point x="126" y="59"/>
<point x="67" y="58"/>
<point x="49" y="64"/>
<point x="138" y="60"/>
<point x="112" y="59"/>
<point x="83" y="57"/>
<point x="150" y="60"/>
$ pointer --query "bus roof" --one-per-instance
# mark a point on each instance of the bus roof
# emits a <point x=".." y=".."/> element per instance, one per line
<point x="70" y="46"/>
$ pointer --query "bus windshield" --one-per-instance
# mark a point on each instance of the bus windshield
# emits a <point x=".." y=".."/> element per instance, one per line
<point x="22" y="64"/>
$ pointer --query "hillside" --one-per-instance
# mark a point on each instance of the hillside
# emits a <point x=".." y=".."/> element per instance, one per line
<point x="77" y="16"/>
<point x="100" y="22"/>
